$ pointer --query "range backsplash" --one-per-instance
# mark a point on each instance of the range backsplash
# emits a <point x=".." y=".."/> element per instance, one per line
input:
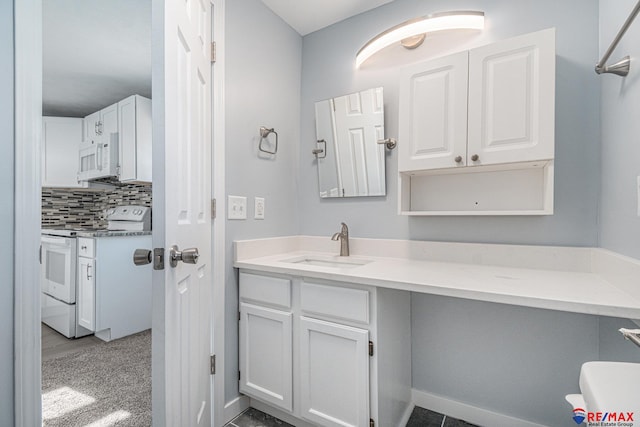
<point x="84" y="208"/>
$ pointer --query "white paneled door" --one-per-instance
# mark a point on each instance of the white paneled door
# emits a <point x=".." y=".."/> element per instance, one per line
<point x="182" y="212"/>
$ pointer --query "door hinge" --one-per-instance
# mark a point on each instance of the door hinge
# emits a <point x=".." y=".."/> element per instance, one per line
<point x="213" y="208"/>
<point x="40" y="254"/>
<point x="158" y="258"/>
<point x="372" y="423"/>
<point x="213" y="52"/>
<point x="213" y="364"/>
<point x="239" y="376"/>
<point x="370" y="348"/>
<point x="239" y="316"/>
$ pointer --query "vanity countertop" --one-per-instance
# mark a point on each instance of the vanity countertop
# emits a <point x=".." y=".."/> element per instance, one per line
<point x="581" y="280"/>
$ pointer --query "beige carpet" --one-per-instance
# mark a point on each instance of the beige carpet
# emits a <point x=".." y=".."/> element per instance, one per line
<point x="105" y="385"/>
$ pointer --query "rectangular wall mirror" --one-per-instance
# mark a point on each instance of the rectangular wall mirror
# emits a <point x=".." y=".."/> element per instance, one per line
<point x="351" y="162"/>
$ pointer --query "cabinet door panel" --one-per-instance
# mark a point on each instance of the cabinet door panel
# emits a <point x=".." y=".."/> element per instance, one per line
<point x="511" y="100"/>
<point x="86" y="301"/>
<point x="61" y="137"/>
<point x="127" y="138"/>
<point x="334" y="373"/>
<point x="266" y="363"/>
<point x="91" y="124"/>
<point x="433" y="114"/>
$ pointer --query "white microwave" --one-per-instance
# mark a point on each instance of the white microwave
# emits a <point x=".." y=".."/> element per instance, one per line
<point x="98" y="159"/>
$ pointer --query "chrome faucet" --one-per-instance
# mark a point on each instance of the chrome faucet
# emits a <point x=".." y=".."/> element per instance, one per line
<point x="343" y="236"/>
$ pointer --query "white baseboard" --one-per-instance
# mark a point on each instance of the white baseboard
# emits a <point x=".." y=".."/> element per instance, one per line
<point x="463" y="411"/>
<point x="235" y="407"/>
<point x="407" y="414"/>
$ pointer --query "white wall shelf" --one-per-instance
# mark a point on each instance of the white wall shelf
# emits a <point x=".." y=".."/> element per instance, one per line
<point x="510" y="189"/>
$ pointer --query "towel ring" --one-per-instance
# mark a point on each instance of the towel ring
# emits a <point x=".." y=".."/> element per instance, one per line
<point x="264" y="133"/>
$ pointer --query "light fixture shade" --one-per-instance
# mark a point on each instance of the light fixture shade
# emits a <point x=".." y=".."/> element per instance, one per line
<point x="453" y="20"/>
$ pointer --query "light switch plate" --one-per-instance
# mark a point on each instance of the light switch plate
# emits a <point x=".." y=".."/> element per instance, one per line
<point x="259" y="208"/>
<point x="237" y="207"/>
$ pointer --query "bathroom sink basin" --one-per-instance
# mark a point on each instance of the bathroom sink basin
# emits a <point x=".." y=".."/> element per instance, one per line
<point x="611" y="386"/>
<point x="328" y="261"/>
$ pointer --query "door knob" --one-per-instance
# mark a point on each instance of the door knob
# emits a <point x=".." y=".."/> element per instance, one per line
<point x="458" y="159"/>
<point x="188" y="256"/>
<point x="142" y="257"/>
<point x="475" y="157"/>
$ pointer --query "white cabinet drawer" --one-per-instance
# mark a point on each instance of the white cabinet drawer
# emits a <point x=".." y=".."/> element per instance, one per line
<point x="265" y="289"/>
<point x="335" y="302"/>
<point x="86" y="247"/>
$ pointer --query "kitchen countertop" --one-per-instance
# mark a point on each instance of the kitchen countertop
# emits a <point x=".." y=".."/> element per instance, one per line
<point x="112" y="233"/>
<point x="580" y="280"/>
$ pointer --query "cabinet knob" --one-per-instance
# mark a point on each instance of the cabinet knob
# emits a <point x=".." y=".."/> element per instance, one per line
<point x="475" y="157"/>
<point x="458" y="159"/>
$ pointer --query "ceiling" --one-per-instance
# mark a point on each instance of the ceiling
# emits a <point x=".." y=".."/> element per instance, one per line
<point x="307" y="16"/>
<point x="95" y="53"/>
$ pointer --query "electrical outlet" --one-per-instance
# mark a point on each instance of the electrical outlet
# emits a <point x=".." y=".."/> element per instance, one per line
<point x="259" y="208"/>
<point x="237" y="207"/>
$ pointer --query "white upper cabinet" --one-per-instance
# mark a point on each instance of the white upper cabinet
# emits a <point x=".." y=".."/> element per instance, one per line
<point x="477" y="130"/>
<point x="134" y="127"/>
<point x="433" y="114"/>
<point x="511" y="100"/>
<point x="130" y="120"/>
<point x="60" y="139"/>
<point x="101" y="124"/>
<point x="490" y="105"/>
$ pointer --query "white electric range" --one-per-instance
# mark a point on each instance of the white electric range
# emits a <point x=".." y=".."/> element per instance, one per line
<point x="65" y="305"/>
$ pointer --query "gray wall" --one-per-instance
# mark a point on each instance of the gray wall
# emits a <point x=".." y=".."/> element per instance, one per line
<point x="6" y="213"/>
<point x="517" y="361"/>
<point x="512" y="360"/>
<point x="262" y="89"/>
<point x="620" y="151"/>
<point x="328" y="70"/>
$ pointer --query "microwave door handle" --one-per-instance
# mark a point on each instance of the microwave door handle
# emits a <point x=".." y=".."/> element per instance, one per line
<point x="99" y="157"/>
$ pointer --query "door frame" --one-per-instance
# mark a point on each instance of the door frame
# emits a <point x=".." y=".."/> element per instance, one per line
<point x="27" y="229"/>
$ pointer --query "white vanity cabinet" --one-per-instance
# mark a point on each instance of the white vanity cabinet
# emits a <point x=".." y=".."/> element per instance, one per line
<point x="334" y="354"/>
<point x="266" y="340"/>
<point x="477" y="130"/>
<point x="60" y="139"/>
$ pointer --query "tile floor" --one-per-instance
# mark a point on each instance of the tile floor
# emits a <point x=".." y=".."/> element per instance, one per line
<point x="419" y="418"/>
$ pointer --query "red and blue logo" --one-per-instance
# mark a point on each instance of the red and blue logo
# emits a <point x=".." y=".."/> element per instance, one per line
<point x="579" y="415"/>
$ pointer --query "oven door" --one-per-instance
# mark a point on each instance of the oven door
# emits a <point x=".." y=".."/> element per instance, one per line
<point x="58" y="273"/>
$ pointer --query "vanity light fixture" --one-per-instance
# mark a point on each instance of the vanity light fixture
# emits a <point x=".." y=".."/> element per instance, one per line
<point x="412" y="33"/>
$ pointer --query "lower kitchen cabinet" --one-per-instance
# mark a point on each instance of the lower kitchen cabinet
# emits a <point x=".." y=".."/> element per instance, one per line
<point x="329" y="353"/>
<point x="86" y="301"/>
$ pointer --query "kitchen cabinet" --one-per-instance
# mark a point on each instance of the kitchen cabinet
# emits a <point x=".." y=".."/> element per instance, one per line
<point x="134" y="128"/>
<point x="477" y="130"/>
<point x="114" y="295"/>
<point x="101" y="124"/>
<point x="308" y="350"/>
<point x="86" y="301"/>
<point x="130" y="120"/>
<point x="60" y="139"/>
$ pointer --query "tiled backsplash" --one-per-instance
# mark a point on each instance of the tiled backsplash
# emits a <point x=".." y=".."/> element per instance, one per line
<point x="80" y="208"/>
